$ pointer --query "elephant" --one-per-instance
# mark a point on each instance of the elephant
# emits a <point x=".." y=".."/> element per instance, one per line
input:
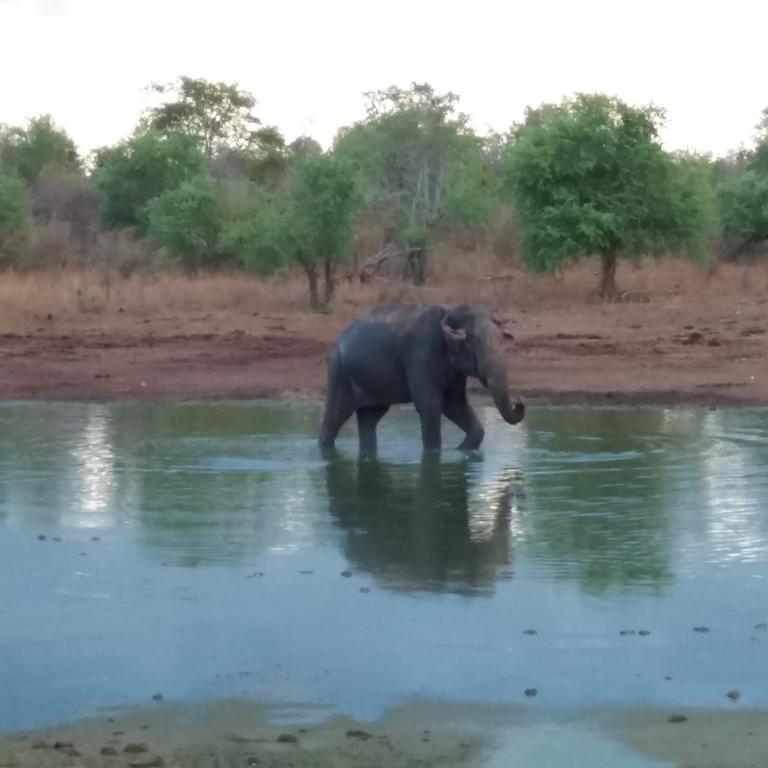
<point x="420" y="354"/>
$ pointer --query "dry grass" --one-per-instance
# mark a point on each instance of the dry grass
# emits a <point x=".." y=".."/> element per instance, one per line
<point x="27" y="297"/>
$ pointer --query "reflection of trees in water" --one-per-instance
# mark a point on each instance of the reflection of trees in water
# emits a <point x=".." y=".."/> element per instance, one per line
<point x="191" y="512"/>
<point x="192" y="518"/>
<point x="601" y="481"/>
<point x="144" y="466"/>
<point x="412" y="526"/>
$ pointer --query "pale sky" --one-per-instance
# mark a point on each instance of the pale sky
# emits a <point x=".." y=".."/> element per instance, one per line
<point x="307" y="63"/>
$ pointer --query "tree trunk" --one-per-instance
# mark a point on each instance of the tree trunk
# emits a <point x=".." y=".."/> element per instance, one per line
<point x="417" y="259"/>
<point x="608" y="261"/>
<point x="330" y="281"/>
<point x="314" y="295"/>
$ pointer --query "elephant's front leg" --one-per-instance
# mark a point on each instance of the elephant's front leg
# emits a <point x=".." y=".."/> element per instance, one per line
<point x="430" y="412"/>
<point x="460" y="412"/>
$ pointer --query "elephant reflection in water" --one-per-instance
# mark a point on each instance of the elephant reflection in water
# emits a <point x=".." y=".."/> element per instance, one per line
<point x="415" y="527"/>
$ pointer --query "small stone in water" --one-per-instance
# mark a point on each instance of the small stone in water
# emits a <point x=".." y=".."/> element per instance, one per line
<point x="41" y="537"/>
<point x="157" y="697"/>
<point x="678" y="719"/>
<point x="288" y="738"/>
<point x="733" y="695"/>
<point x="365" y="590"/>
<point x="358" y="733"/>
<point x="627" y="632"/>
<point x="530" y="631"/>
<point x="761" y="625"/>
<point x="346" y="574"/>
<point x="667" y="677"/>
<point x="530" y="691"/>
<point x="701" y="629"/>
<point x="135" y="749"/>
<point x="644" y="632"/>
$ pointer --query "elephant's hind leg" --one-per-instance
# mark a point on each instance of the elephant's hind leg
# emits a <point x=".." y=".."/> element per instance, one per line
<point x="368" y="418"/>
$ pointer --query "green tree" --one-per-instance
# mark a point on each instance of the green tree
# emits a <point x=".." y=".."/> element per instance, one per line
<point x="309" y="223"/>
<point x="303" y="146"/>
<point x="742" y="194"/>
<point x="186" y="220"/>
<point x="15" y="219"/>
<point x="743" y="209"/>
<point x="39" y="149"/>
<point x="326" y="201"/>
<point x="258" y="229"/>
<point x="415" y="151"/>
<point x="133" y="173"/>
<point x="218" y="115"/>
<point x="589" y="177"/>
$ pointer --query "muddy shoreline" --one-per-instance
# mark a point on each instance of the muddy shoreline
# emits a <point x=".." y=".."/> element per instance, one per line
<point x="425" y="733"/>
<point x="625" y="354"/>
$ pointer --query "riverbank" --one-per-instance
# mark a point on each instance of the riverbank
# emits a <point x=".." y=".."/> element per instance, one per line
<point x="424" y="733"/>
<point x="686" y="337"/>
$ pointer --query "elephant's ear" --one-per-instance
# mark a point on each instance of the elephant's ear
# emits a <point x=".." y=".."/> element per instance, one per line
<point x="452" y="334"/>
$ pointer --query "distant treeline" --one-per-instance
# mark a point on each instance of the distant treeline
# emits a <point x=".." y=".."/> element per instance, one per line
<point x="202" y="183"/>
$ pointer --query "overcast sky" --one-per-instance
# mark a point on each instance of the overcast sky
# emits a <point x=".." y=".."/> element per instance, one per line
<point x="307" y="63"/>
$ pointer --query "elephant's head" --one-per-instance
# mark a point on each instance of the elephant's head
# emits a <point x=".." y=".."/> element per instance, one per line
<point x="474" y="342"/>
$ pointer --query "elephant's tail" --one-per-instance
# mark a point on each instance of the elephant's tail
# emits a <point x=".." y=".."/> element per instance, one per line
<point x="338" y="401"/>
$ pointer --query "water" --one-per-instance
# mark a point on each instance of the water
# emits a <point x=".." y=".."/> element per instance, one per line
<point x="209" y="551"/>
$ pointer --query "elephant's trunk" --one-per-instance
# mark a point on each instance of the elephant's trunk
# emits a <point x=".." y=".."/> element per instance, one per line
<point x="495" y="376"/>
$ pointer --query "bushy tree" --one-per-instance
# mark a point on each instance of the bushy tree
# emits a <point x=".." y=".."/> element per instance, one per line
<point x="259" y="230"/>
<point x="132" y="174"/>
<point x="309" y="223"/>
<point x="218" y="115"/>
<point x="186" y="220"/>
<point x="743" y="209"/>
<point x="303" y="146"/>
<point x="14" y="217"/>
<point x="417" y="152"/>
<point x="589" y="177"/>
<point x="325" y="199"/>
<point x="742" y="194"/>
<point x="265" y="163"/>
<point x="39" y="149"/>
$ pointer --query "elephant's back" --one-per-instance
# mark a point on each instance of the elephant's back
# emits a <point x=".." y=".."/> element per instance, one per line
<point x="370" y="353"/>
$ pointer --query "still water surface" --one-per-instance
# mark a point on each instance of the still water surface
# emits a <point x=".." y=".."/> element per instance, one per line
<point x="207" y="550"/>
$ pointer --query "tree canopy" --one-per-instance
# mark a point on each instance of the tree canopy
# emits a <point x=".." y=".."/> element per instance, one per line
<point x="219" y="115"/>
<point x="742" y="194"/>
<point x="186" y="220"/>
<point x="308" y="223"/>
<point x="131" y="174"/>
<point x="415" y="152"/>
<point x="37" y="150"/>
<point x="589" y="177"/>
